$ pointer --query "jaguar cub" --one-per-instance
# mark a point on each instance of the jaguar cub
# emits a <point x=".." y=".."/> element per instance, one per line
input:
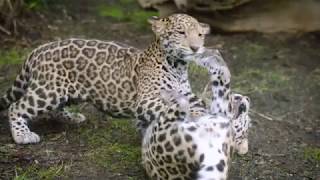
<point x="120" y="80"/>
<point x="181" y="146"/>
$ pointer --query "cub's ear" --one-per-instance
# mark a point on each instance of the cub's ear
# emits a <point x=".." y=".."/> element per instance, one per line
<point x="157" y="25"/>
<point x="205" y="28"/>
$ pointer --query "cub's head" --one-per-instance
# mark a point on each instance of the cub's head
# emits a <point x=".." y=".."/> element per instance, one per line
<point x="180" y="35"/>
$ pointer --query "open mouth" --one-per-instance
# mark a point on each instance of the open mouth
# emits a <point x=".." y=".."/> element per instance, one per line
<point x="242" y="108"/>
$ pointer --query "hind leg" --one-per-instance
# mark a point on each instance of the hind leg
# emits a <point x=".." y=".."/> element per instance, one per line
<point x="27" y="108"/>
<point x="19" y="115"/>
<point x="19" y="126"/>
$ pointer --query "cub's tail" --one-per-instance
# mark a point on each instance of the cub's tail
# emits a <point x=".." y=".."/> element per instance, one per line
<point x="18" y="89"/>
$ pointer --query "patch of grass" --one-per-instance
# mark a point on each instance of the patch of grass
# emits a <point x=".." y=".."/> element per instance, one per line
<point x="123" y="130"/>
<point x="312" y="154"/>
<point x="128" y="11"/>
<point x="12" y="56"/>
<point x="254" y="51"/>
<point x="314" y="76"/>
<point x="257" y="80"/>
<point x="195" y="69"/>
<point x="254" y="54"/>
<point x="115" y="147"/>
<point x="117" y="157"/>
<point x="127" y="2"/>
<point x="253" y="80"/>
<point x="36" y="172"/>
<point x="249" y="51"/>
<point x="198" y="76"/>
<point x="260" y="80"/>
<point x="73" y="108"/>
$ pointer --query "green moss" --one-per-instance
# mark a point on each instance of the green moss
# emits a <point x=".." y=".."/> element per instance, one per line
<point x="12" y="56"/>
<point x="140" y="17"/>
<point x="35" y="4"/>
<point x="312" y="154"/>
<point x="36" y="172"/>
<point x="115" y="11"/>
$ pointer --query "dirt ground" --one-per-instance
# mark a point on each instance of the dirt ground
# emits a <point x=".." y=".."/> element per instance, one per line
<point x="279" y="72"/>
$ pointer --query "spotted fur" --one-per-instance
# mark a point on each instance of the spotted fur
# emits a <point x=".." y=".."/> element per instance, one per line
<point x="119" y="80"/>
<point x="181" y="146"/>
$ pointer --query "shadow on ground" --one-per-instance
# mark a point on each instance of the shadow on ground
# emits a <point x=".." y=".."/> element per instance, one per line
<point x="280" y="73"/>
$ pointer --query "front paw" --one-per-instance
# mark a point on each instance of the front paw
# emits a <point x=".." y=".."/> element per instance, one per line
<point x="242" y="147"/>
<point x="26" y="137"/>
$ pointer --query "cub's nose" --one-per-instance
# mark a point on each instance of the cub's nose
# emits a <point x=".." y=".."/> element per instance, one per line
<point x="194" y="48"/>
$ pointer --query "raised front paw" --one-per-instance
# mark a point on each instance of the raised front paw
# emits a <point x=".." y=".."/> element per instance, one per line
<point x="210" y="58"/>
<point x="26" y="137"/>
<point x="213" y="61"/>
<point x="225" y="74"/>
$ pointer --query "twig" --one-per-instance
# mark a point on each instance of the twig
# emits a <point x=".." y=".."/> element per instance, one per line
<point x="264" y="116"/>
<point x="15" y="29"/>
<point x="15" y="171"/>
<point x="5" y="30"/>
<point x="82" y="106"/>
<point x="10" y="5"/>
<point x="1" y="4"/>
<point x="279" y="118"/>
<point x="270" y="155"/>
<point x="291" y="112"/>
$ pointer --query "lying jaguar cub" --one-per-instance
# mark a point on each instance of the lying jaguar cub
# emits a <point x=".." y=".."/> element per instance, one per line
<point x="180" y="146"/>
<point x="119" y="80"/>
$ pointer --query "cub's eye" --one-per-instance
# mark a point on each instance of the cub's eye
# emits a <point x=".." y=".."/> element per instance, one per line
<point x="181" y="32"/>
<point x="200" y="35"/>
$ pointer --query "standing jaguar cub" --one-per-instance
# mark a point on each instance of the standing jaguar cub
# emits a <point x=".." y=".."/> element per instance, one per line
<point x="119" y="80"/>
